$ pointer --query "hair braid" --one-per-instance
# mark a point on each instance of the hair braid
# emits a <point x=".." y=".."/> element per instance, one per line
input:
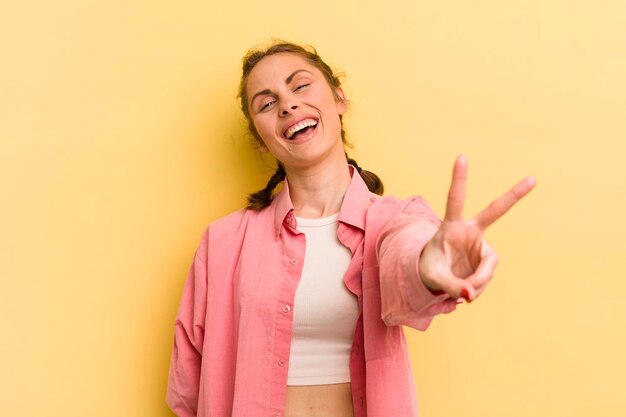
<point x="374" y="184"/>
<point x="263" y="198"/>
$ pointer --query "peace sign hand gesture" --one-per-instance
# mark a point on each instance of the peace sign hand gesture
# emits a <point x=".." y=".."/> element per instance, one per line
<point x="457" y="260"/>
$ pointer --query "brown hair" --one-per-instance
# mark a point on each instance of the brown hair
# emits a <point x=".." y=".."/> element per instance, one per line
<point x="262" y="198"/>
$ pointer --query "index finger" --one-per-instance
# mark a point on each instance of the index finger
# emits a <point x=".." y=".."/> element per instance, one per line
<point x="456" y="194"/>
<point x="502" y="204"/>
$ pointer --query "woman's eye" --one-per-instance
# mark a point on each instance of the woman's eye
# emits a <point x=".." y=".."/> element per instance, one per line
<point x="301" y="86"/>
<point x="266" y="105"/>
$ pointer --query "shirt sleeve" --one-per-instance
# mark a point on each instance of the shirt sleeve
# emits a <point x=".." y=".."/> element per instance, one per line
<point x="184" y="374"/>
<point x="405" y="300"/>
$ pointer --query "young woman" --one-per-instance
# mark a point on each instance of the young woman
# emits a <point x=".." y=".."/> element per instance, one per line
<point x="294" y="306"/>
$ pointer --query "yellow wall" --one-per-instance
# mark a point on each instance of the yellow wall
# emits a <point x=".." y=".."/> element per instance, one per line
<point x="120" y="139"/>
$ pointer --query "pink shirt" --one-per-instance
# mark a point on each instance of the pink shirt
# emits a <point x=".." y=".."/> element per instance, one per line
<point x="234" y="324"/>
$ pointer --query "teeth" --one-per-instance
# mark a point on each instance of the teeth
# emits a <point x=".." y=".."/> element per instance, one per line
<point x="295" y="128"/>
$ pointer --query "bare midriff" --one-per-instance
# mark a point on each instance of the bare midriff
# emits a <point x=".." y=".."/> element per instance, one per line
<point x="333" y="400"/>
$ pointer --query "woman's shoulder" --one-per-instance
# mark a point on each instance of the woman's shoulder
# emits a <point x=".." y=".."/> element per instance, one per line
<point x="414" y="205"/>
<point x="236" y="221"/>
<point x="228" y="221"/>
<point x="221" y="234"/>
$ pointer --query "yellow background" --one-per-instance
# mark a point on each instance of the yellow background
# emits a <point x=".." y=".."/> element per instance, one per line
<point x="121" y="138"/>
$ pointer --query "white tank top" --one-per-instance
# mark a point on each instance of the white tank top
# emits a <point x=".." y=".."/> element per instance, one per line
<point x="325" y="311"/>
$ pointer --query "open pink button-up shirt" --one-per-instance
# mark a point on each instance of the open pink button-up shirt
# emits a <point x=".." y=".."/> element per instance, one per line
<point x="234" y="324"/>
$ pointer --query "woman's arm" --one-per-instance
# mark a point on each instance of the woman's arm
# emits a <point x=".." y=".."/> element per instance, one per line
<point x="404" y="297"/>
<point x="426" y="265"/>
<point x="184" y="375"/>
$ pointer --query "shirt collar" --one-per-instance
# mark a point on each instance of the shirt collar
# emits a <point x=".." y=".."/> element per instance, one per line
<point x="353" y="208"/>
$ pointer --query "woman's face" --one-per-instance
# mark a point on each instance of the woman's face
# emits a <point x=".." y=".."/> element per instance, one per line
<point x="294" y="110"/>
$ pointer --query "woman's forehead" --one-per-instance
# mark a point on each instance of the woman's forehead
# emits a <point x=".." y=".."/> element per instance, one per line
<point x="278" y="67"/>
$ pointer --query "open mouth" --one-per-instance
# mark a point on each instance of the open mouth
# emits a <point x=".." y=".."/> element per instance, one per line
<point x="300" y="128"/>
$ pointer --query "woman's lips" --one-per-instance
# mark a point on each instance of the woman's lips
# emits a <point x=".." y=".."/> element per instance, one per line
<point x="298" y="126"/>
<point x="306" y="134"/>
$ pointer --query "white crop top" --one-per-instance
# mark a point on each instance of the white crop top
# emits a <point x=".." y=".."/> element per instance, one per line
<point x="325" y="311"/>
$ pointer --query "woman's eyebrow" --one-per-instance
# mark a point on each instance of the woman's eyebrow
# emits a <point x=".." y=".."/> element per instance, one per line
<point x="287" y="81"/>
<point x="293" y="74"/>
<point x="260" y="93"/>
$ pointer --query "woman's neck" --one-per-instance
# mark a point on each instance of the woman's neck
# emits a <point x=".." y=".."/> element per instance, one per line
<point x="318" y="191"/>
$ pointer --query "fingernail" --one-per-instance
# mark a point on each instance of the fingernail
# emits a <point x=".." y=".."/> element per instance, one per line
<point x="465" y="294"/>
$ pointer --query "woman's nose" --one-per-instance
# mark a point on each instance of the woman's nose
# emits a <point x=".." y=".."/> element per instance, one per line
<point x="288" y="108"/>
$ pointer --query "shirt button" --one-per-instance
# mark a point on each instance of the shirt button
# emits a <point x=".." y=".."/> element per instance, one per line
<point x="286" y="308"/>
<point x="293" y="261"/>
<point x="281" y="362"/>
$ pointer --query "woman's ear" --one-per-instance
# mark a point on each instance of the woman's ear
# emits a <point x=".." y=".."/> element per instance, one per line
<point x="342" y="101"/>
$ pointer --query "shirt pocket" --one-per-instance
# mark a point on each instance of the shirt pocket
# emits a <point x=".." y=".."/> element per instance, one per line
<point x="380" y="340"/>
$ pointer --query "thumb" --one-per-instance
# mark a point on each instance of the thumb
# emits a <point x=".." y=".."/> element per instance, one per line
<point x="460" y="288"/>
<point x="454" y="286"/>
